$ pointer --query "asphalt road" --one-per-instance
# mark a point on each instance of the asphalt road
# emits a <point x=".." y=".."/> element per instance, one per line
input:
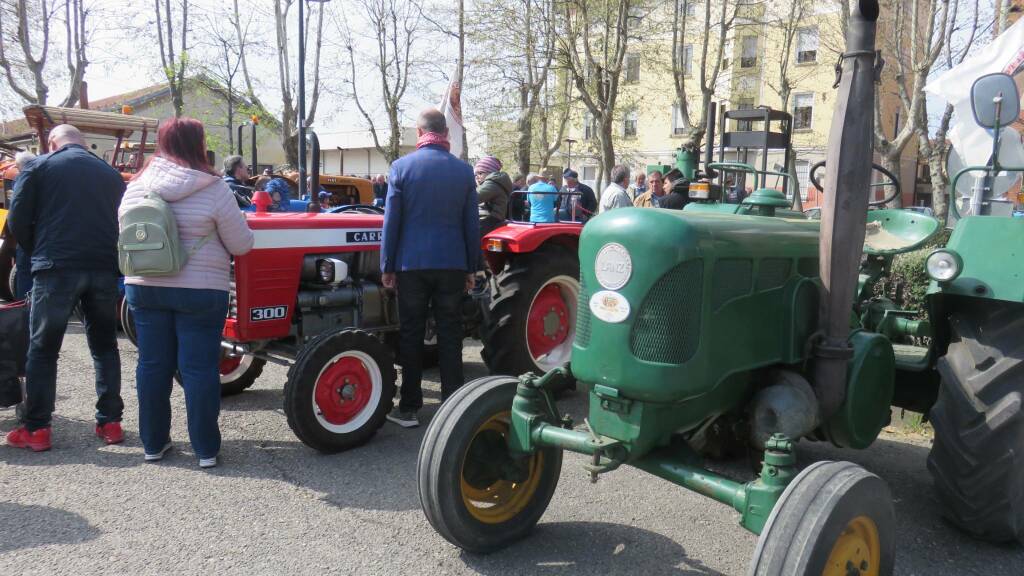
<point x="276" y="507"/>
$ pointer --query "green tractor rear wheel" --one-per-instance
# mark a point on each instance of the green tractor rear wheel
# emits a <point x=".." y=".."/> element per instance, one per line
<point x="977" y="459"/>
<point x="473" y="492"/>
<point x="834" y="519"/>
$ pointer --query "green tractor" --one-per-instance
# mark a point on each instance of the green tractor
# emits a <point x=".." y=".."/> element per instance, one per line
<point x="699" y="328"/>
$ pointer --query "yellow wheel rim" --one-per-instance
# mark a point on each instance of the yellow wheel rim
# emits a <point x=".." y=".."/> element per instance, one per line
<point x="857" y="551"/>
<point x="499" y="500"/>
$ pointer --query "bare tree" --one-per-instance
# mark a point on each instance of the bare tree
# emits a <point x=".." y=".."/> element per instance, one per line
<point x="593" y="47"/>
<point x="553" y="117"/>
<point x="712" y="29"/>
<point x="174" y="62"/>
<point x="427" y="11"/>
<point x="917" y="40"/>
<point x="221" y="68"/>
<point x="26" y="74"/>
<point x="242" y="41"/>
<point x="393" y="27"/>
<point x="960" y="38"/>
<point x="289" y="113"/>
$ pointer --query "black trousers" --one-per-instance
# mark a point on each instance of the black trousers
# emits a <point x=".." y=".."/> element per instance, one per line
<point x="418" y="292"/>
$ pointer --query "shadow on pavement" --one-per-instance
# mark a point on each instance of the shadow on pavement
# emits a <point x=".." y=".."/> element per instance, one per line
<point x="590" y="548"/>
<point x="29" y="526"/>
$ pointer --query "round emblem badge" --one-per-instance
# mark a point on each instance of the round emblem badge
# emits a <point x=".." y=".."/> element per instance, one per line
<point x="613" y="266"/>
<point x="611" y="307"/>
<point x="140" y="233"/>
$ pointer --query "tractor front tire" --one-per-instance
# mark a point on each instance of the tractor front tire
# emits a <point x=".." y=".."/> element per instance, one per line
<point x="833" y="518"/>
<point x="977" y="459"/>
<point x="339" y="390"/>
<point x="532" y="321"/>
<point x="473" y="492"/>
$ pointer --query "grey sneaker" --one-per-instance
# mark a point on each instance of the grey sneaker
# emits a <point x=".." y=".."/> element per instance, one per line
<point x="159" y="454"/>
<point x="208" y="462"/>
<point x="404" y="418"/>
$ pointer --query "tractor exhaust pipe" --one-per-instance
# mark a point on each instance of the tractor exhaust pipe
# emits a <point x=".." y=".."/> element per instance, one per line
<point x="709" y="147"/>
<point x="314" y="174"/>
<point x="844" y="214"/>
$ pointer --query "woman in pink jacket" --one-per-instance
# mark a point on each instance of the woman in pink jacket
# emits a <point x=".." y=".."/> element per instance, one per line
<point x="179" y="318"/>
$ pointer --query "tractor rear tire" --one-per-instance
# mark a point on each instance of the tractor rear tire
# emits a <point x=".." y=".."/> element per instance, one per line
<point x="127" y="319"/>
<point x="514" y="294"/>
<point x="239" y="374"/>
<point x="463" y="466"/>
<point x="833" y="518"/>
<point x="339" y="390"/>
<point x="977" y="459"/>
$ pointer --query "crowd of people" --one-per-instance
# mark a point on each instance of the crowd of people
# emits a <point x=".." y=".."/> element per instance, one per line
<point x="70" y="207"/>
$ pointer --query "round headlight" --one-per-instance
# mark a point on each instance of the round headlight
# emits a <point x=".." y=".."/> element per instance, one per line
<point x="943" y="265"/>
<point x="613" y="266"/>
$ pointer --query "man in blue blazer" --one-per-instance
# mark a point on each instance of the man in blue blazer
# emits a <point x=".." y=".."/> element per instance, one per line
<point x="429" y="254"/>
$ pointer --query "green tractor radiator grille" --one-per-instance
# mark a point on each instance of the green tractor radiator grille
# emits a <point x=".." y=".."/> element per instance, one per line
<point x="733" y="277"/>
<point x="667" y="326"/>
<point x="773" y="273"/>
<point x="583" y="315"/>
<point x="808" y="267"/>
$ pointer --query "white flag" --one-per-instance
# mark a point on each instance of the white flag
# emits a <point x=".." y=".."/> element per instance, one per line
<point x="451" y="107"/>
<point x="1005" y="54"/>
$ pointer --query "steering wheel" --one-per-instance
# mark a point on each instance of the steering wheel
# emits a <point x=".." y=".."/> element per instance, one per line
<point x="357" y="209"/>
<point x="889" y="180"/>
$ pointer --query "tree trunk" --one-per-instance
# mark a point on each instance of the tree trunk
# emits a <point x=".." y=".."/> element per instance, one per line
<point x="607" y="152"/>
<point x="940" y="181"/>
<point x="794" y="182"/>
<point x="523" y="142"/>
<point x="890" y="162"/>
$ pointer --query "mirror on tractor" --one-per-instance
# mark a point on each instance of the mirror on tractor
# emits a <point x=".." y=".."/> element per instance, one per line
<point x="995" y="100"/>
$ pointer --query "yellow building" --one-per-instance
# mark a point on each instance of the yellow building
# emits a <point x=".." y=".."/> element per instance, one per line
<point x="649" y="130"/>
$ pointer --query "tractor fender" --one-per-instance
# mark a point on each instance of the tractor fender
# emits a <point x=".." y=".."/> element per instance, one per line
<point x="526" y="238"/>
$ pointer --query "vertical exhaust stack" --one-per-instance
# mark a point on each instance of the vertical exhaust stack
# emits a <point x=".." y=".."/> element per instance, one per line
<point x="314" y="174"/>
<point x="844" y="215"/>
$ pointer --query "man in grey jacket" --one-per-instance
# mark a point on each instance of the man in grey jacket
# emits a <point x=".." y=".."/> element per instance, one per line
<point x="615" y="195"/>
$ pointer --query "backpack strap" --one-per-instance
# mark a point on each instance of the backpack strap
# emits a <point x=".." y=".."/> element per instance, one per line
<point x="200" y="244"/>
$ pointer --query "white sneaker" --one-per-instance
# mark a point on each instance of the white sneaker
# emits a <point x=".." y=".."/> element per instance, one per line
<point x="208" y="462"/>
<point x="159" y="455"/>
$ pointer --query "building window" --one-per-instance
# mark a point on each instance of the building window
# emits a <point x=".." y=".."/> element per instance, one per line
<point x="690" y="8"/>
<point x="589" y="173"/>
<point x="725" y="63"/>
<point x="632" y="68"/>
<point x="746" y="85"/>
<point x="803" y="111"/>
<point x="686" y="59"/>
<point x="629" y="122"/>
<point x="748" y="57"/>
<point x="744" y="104"/>
<point x="678" y="126"/>
<point x="807" y="45"/>
<point x="588" y="125"/>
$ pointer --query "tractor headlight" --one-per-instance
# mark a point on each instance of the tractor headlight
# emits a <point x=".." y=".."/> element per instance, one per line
<point x="943" y="265"/>
<point x="332" y="270"/>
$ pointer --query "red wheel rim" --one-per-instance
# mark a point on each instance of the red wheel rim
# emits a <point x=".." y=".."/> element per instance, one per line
<point x="229" y="364"/>
<point x="343" y="390"/>
<point x="547" y="325"/>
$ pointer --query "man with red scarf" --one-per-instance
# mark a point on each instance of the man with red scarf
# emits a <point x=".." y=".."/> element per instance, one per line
<point x="429" y="254"/>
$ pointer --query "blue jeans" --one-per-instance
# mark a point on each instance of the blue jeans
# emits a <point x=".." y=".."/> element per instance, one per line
<point x="54" y="295"/>
<point x="179" y="329"/>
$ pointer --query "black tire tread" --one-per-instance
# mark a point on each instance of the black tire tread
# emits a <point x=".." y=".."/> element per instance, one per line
<point x="446" y="519"/>
<point x="977" y="459"/>
<point x="245" y="381"/>
<point x="504" y="345"/>
<point x="297" y="404"/>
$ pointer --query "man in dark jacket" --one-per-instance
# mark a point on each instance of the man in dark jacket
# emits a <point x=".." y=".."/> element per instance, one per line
<point x="65" y="213"/>
<point x="429" y="253"/>
<point x="579" y="203"/>
<point x="679" y="191"/>
<point x="236" y="174"/>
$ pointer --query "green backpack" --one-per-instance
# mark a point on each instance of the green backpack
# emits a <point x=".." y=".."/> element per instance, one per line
<point x="148" y="244"/>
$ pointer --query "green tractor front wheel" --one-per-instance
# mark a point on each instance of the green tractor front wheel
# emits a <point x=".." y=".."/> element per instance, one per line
<point x="473" y="491"/>
<point x="834" y="519"/>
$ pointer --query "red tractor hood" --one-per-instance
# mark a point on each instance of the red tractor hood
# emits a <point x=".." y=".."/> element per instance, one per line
<point x="523" y="237"/>
<point x="301" y="230"/>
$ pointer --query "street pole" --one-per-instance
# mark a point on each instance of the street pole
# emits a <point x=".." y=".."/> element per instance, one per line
<point x="568" y="156"/>
<point x="301" y="116"/>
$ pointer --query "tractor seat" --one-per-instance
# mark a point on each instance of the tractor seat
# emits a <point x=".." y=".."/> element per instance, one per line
<point x="896" y="231"/>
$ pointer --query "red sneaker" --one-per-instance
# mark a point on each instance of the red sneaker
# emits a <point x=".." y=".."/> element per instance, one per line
<point x="37" y="441"/>
<point x="110" y="432"/>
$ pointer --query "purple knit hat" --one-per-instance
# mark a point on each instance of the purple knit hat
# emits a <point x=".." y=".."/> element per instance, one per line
<point x="487" y="165"/>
